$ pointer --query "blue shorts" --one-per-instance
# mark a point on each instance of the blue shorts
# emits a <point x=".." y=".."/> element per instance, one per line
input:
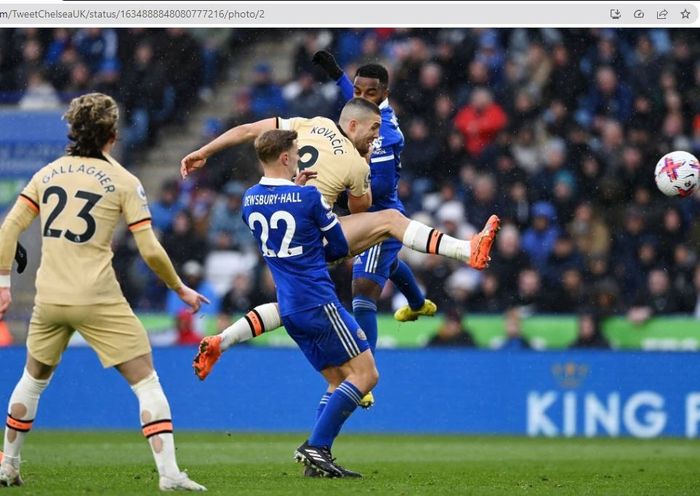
<point x="377" y="263"/>
<point x="327" y="335"/>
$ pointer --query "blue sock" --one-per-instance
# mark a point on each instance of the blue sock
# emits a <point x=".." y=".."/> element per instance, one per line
<point x="405" y="281"/>
<point x="322" y="404"/>
<point x="340" y="406"/>
<point x="365" y="311"/>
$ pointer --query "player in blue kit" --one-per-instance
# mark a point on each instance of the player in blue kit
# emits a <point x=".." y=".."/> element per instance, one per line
<point x="290" y="223"/>
<point x="375" y="266"/>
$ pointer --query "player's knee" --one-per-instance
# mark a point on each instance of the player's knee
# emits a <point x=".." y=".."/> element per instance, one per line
<point x="365" y="287"/>
<point x="18" y="410"/>
<point x="393" y="216"/>
<point x="372" y="378"/>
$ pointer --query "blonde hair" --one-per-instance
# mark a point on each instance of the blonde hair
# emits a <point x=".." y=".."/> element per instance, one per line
<point x="92" y="122"/>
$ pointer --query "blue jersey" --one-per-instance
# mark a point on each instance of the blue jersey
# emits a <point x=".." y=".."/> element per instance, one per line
<point x="385" y="162"/>
<point x="289" y="223"/>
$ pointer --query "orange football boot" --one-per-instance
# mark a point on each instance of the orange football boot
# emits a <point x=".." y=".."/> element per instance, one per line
<point x="482" y="243"/>
<point x="209" y="353"/>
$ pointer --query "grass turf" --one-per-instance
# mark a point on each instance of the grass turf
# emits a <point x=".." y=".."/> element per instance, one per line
<point x="69" y="463"/>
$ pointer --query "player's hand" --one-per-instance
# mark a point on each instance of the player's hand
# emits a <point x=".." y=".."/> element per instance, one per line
<point x="192" y="298"/>
<point x="327" y="62"/>
<point x="5" y="301"/>
<point x="21" y="258"/>
<point x="192" y="162"/>
<point x="304" y="176"/>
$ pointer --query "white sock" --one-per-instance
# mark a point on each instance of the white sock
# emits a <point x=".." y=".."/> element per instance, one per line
<point x="21" y="412"/>
<point x="425" y="239"/>
<point x="157" y="424"/>
<point x="263" y="318"/>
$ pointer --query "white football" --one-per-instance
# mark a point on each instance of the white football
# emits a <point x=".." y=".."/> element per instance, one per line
<point x="677" y="174"/>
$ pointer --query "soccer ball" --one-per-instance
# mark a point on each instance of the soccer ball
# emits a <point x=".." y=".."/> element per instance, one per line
<point x="677" y="174"/>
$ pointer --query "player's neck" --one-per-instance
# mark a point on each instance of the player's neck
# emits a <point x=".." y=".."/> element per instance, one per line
<point x="277" y="173"/>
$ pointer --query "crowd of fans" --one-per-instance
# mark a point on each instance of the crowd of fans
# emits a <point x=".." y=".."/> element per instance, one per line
<point x="555" y="130"/>
<point x="155" y="74"/>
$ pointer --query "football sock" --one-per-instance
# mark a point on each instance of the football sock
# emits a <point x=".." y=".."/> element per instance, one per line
<point x="22" y="408"/>
<point x="260" y="319"/>
<point x="341" y="404"/>
<point x="425" y="239"/>
<point x="322" y="404"/>
<point x="157" y="424"/>
<point x="405" y="282"/>
<point x="365" y="312"/>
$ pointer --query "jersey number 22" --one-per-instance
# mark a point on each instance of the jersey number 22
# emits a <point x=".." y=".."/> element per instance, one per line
<point x="281" y="215"/>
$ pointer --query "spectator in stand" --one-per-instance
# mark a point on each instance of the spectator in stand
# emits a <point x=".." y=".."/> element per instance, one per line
<point x="530" y="297"/>
<point x="657" y="298"/>
<point x="566" y="82"/>
<point x="569" y="295"/>
<point x="514" y="340"/>
<point x="305" y="98"/>
<point x="452" y="333"/>
<point x="236" y="301"/>
<point x="538" y="240"/>
<point x="266" y="99"/>
<point x="590" y="234"/>
<point x="488" y="297"/>
<point x="564" y="256"/>
<point x="168" y="205"/>
<point x="589" y="334"/>
<point x="227" y="231"/>
<point x="39" y="95"/>
<point x="193" y="276"/>
<point x="421" y="152"/>
<point x="182" y="242"/>
<point x="96" y="45"/>
<point x="146" y="95"/>
<point x="508" y="259"/>
<point x="186" y="333"/>
<point x="183" y="64"/>
<point x="542" y="183"/>
<point x="484" y="202"/>
<point x="609" y="98"/>
<point x="480" y="121"/>
<point x="626" y="247"/>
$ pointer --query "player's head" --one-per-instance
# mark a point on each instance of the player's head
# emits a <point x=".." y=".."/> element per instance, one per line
<point x="372" y="83"/>
<point x="92" y="121"/>
<point x="277" y="151"/>
<point x="360" y="120"/>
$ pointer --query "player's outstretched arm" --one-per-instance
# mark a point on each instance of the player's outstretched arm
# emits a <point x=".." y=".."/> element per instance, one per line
<point x="16" y="222"/>
<point x="234" y="136"/>
<point x="157" y="259"/>
<point x="325" y="60"/>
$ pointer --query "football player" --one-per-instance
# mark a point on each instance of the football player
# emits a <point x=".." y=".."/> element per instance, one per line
<point x="80" y="197"/>
<point x="290" y="223"/>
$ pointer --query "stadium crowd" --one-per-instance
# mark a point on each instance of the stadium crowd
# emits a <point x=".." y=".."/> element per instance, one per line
<point x="557" y="131"/>
<point x="155" y="74"/>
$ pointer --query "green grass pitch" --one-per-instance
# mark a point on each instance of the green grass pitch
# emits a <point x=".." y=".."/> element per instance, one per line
<point x="98" y="463"/>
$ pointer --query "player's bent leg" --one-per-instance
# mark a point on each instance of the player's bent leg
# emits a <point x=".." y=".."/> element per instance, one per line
<point x="22" y="410"/>
<point x="261" y="319"/>
<point x="366" y="229"/>
<point x="156" y="422"/>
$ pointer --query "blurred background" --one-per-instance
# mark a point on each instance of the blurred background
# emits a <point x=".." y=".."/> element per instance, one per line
<point x="555" y="130"/>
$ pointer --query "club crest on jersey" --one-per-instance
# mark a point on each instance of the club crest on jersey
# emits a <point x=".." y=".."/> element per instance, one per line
<point x="377" y="146"/>
<point x="361" y="335"/>
<point x="141" y="192"/>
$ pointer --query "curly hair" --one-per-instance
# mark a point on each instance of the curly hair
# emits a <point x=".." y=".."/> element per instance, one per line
<point x="92" y="122"/>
